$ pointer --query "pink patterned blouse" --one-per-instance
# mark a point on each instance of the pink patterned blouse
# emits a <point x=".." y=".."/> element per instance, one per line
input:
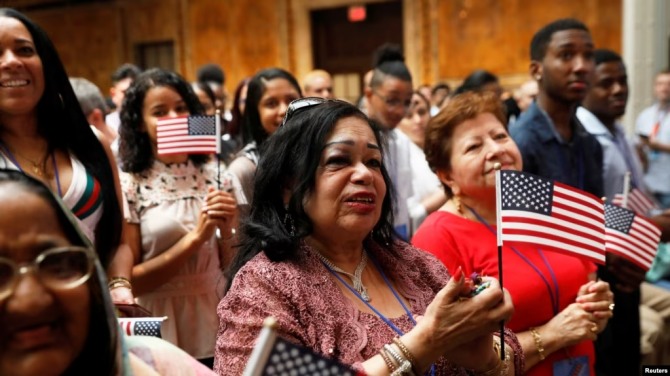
<point x="312" y="311"/>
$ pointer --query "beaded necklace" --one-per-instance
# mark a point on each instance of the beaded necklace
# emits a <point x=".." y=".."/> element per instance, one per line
<point x="356" y="278"/>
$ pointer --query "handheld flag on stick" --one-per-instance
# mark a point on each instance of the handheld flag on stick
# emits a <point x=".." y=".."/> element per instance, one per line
<point x="634" y="199"/>
<point x="274" y="356"/>
<point x="496" y="167"/>
<point x="186" y="134"/>
<point x="143" y="326"/>
<point x="552" y="215"/>
<point x="631" y="236"/>
<point x="217" y="123"/>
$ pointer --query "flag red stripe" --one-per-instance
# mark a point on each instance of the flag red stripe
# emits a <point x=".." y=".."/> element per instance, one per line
<point x="172" y="120"/>
<point x="632" y="255"/>
<point x="642" y="198"/>
<point x="583" y="206"/>
<point x="560" y="246"/>
<point x="552" y="226"/>
<point x="641" y="230"/>
<point x="647" y="226"/>
<point x="571" y="222"/>
<point x="575" y="241"/>
<point x="628" y="257"/>
<point x="638" y="201"/>
<point x="169" y="139"/>
<point x="620" y="239"/>
<point x="185" y="150"/>
<point x="641" y="240"/>
<point x="586" y="227"/>
<point x="188" y="142"/>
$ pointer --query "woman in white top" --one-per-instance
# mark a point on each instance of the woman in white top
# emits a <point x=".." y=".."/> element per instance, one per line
<point x="44" y="134"/>
<point x="174" y="214"/>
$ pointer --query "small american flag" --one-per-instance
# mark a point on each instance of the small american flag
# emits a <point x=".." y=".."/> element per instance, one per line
<point x="274" y="356"/>
<point x="144" y="326"/>
<point x="638" y="202"/>
<point x="186" y="134"/>
<point x="551" y="215"/>
<point x="631" y="236"/>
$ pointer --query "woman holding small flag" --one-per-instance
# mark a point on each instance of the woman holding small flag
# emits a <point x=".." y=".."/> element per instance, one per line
<point x="559" y="310"/>
<point x="319" y="254"/>
<point x="181" y="214"/>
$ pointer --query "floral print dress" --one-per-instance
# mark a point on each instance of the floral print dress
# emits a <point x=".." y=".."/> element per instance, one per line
<point x="165" y="201"/>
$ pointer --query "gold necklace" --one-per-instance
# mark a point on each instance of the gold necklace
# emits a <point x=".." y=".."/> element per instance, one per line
<point x="38" y="168"/>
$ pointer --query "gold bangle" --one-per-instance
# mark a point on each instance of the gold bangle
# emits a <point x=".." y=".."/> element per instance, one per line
<point x="405" y="351"/>
<point x="222" y="239"/>
<point x="115" y="282"/>
<point x="502" y="366"/>
<point x="404" y="366"/>
<point x="387" y="360"/>
<point x="538" y="342"/>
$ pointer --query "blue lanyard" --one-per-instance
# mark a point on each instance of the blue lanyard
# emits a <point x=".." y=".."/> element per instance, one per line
<point x="16" y="163"/>
<point x="554" y="295"/>
<point x="373" y="309"/>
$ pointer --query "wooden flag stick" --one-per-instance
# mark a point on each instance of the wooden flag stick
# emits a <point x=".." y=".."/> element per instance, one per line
<point x="264" y="344"/>
<point x="217" y="121"/>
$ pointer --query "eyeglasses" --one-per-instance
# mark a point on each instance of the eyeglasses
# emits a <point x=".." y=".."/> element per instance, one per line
<point x="299" y="104"/>
<point x="57" y="268"/>
<point x="394" y="102"/>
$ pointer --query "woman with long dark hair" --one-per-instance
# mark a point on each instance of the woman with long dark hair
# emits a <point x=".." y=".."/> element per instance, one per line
<point x="44" y="134"/>
<point x="268" y="95"/>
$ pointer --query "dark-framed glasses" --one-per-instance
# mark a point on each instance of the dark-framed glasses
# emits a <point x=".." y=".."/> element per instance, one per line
<point x="299" y="104"/>
<point x="56" y="268"/>
<point x="394" y="102"/>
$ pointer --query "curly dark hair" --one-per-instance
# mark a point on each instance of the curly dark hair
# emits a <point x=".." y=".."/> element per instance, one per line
<point x="135" y="150"/>
<point x="61" y="121"/>
<point x="289" y="159"/>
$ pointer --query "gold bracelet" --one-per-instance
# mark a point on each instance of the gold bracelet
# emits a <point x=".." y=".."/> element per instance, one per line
<point x="508" y="356"/>
<point x="538" y="342"/>
<point x="232" y="235"/>
<point x="404" y="366"/>
<point x="115" y="282"/>
<point x="387" y="360"/>
<point x="502" y="366"/>
<point x="405" y="351"/>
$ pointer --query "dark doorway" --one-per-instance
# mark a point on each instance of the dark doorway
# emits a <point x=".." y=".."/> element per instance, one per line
<point x="345" y="48"/>
<point x="155" y="55"/>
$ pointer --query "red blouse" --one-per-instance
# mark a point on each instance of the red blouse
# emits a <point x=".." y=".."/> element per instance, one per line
<point x="458" y="241"/>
